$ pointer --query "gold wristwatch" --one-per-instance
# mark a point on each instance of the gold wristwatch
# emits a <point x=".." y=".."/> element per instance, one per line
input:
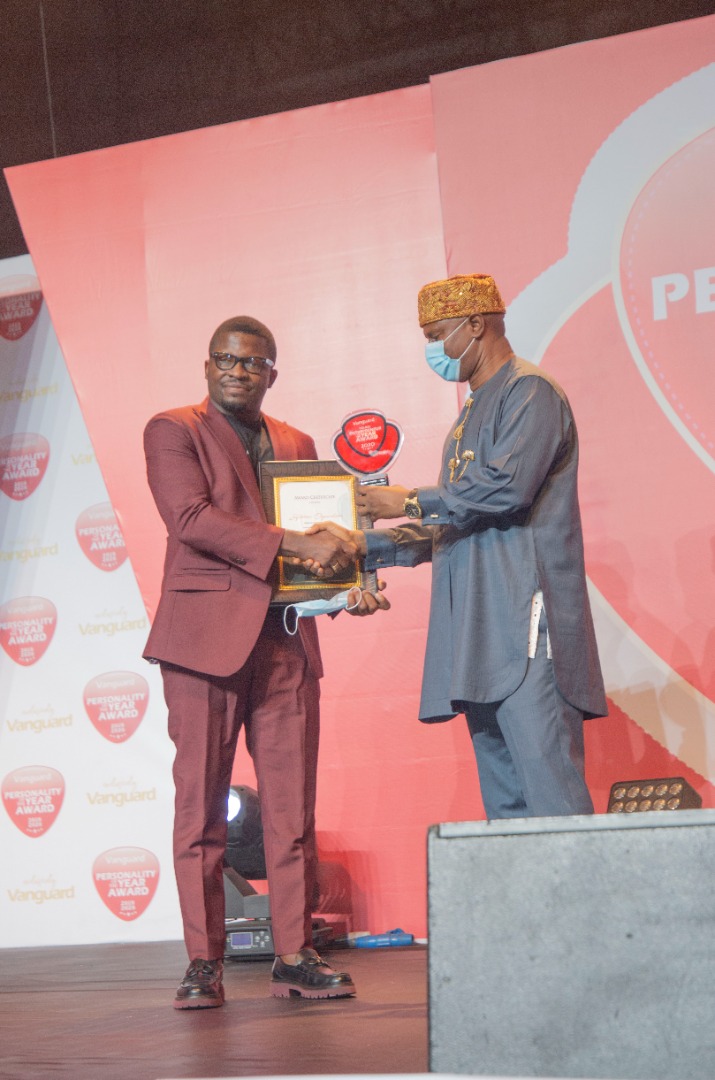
<point x="411" y="506"/>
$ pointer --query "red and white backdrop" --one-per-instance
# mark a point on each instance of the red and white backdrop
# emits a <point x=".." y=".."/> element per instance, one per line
<point x="85" y="774"/>
<point x="582" y="179"/>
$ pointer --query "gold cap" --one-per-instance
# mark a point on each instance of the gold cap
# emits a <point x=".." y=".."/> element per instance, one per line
<point x="460" y="296"/>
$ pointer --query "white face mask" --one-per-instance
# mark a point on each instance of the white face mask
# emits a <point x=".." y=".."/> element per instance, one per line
<point x="447" y="367"/>
<point x="339" y="602"/>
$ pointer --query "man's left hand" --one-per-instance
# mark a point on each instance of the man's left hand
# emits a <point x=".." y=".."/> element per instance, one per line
<point x="381" y="503"/>
<point x="369" y="602"/>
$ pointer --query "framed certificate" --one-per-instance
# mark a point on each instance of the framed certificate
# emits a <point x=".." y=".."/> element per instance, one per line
<point x="296" y="495"/>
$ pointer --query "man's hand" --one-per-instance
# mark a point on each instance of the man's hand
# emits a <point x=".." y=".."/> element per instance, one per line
<point x="351" y="537"/>
<point x="369" y="602"/>
<point x="321" y="551"/>
<point x="354" y="536"/>
<point x="381" y="503"/>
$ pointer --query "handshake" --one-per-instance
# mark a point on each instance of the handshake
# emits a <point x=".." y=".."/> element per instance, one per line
<point x="325" y="549"/>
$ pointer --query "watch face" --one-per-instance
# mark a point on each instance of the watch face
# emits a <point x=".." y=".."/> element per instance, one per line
<point x="412" y="508"/>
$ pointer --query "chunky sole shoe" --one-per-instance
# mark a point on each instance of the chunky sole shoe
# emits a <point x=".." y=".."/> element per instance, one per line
<point x="310" y="978"/>
<point x="284" y="990"/>
<point x="202" y="986"/>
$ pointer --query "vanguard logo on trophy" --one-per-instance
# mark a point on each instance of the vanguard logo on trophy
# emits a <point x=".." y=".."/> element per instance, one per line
<point x="367" y="444"/>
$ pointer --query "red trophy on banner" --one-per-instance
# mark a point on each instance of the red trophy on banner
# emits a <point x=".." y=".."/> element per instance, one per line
<point x="367" y="444"/>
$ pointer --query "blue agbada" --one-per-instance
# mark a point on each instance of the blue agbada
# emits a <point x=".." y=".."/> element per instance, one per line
<point x="502" y="522"/>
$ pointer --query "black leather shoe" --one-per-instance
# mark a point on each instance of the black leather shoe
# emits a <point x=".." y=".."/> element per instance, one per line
<point x="309" y="978"/>
<point x="201" y="986"/>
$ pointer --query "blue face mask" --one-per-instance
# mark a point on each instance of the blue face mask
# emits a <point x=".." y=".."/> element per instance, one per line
<point x="447" y="367"/>
<point x="340" y="602"/>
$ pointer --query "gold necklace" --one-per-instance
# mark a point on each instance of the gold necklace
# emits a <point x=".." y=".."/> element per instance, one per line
<point x="456" y="461"/>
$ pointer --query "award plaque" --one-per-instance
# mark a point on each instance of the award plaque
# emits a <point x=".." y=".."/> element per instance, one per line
<point x="298" y="494"/>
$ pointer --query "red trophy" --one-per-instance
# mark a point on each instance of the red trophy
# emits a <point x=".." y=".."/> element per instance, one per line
<point x="367" y="444"/>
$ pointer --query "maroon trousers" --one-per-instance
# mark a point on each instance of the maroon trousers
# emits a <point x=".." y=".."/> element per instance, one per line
<point x="275" y="697"/>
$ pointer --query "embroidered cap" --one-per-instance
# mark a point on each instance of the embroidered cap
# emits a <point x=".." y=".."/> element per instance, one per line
<point x="460" y="296"/>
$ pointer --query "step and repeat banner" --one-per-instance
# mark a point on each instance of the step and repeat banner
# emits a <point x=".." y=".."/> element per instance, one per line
<point x="84" y="762"/>
<point x="579" y="178"/>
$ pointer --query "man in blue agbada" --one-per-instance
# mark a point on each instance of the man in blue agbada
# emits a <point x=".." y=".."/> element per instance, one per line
<point x="511" y="642"/>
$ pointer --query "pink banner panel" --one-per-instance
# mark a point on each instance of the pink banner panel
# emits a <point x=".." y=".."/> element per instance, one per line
<point x="582" y="178"/>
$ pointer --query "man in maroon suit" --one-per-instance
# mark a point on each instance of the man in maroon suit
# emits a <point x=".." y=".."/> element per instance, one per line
<point x="227" y="661"/>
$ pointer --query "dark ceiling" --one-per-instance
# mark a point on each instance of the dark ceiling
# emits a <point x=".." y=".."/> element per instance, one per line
<point x="78" y="75"/>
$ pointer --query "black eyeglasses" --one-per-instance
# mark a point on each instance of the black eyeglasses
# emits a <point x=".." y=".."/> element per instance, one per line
<point x="254" y="365"/>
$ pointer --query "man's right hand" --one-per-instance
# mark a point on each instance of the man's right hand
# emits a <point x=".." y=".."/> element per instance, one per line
<point x="322" y="552"/>
<point x="348" y="536"/>
<point x="356" y="536"/>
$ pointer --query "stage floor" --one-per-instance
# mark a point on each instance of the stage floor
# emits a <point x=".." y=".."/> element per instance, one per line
<point x="103" y="1012"/>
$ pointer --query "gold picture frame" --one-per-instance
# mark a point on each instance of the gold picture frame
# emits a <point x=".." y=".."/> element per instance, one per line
<point x="297" y="494"/>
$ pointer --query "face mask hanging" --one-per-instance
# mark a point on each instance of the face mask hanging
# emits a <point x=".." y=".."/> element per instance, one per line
<point x="309" y="608"/>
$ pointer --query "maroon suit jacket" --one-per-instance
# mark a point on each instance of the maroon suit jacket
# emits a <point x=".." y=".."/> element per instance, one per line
<point x="220" y="548"/>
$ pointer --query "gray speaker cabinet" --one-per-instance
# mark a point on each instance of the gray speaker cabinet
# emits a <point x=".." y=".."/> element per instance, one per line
<point x="574" y="947"/>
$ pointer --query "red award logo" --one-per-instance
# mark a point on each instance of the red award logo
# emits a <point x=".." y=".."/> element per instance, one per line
<point x="100" y="537"/>
<point x="26" y="628"/>
<point x="126" y="879"/>
<point x="19" y="306"/>
<point x="116" y="703"/>
<point x="367" y="443"/>
<point x="23" y="462"/>
<point x="668" y="285"/>
<point x="33" y="798"/>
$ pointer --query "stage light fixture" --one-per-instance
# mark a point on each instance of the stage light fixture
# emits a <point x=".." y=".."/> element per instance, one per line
<point x="643" y="796"/>
<point x="244" y="838"/>
<point x="249" y="932"/>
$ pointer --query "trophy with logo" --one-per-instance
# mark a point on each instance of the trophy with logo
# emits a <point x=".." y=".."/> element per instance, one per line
<point x="298" y="494"/>
<point x="366" y="445"/>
